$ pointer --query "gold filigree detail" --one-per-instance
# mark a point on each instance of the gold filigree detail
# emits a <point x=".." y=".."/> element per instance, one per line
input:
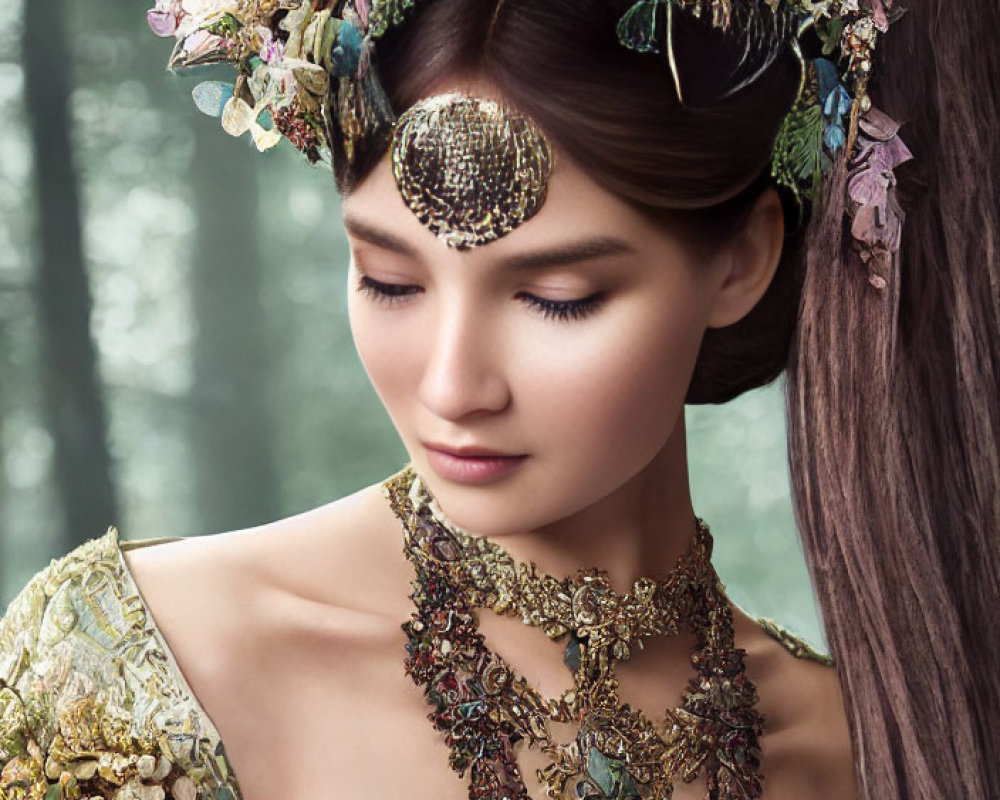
<point x="484" y="709"/>
<point x="470" y="168"/>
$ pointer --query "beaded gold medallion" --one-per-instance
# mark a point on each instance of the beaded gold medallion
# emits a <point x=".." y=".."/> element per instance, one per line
<point x="484" y="709"/>
<point x="470" y="168"/>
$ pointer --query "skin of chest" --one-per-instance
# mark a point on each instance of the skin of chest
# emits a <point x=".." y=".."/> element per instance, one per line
<point x="367" y="731"/>
<point x="297" y="657"/>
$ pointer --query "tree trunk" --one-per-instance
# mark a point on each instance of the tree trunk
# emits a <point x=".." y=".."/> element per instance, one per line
<point x="74" y="407"/>
<point x="232" y="427"/>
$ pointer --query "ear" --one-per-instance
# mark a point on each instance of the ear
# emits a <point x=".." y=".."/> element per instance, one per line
<point x="749" y="263"/>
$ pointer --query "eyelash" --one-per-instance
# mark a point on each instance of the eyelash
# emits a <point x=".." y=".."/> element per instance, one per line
<point x="562" y="310"/>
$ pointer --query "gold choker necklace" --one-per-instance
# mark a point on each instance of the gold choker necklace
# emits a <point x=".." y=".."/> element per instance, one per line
<point x="484" y="709"/>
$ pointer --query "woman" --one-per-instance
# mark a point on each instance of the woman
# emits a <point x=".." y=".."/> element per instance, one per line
<point x="557" y="241"/>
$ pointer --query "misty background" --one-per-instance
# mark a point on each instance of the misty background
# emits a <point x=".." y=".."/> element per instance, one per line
<point x="175" y="357"/>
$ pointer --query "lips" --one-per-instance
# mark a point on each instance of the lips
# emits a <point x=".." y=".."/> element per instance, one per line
<point x="470" y="451"/>
<point x="471" y="465"/>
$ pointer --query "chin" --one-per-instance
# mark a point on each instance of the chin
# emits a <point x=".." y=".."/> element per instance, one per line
<point x="496" y="511"/>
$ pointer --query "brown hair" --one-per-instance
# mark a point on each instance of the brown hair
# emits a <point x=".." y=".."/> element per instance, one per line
<point x="892" y="395"/>
<point x="894" y="425"/>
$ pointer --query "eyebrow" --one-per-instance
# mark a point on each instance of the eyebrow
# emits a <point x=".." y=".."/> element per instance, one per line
<point x="559" y="255"/>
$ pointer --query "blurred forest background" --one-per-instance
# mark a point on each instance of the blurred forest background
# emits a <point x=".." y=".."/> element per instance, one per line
<point x="175" y="357"/>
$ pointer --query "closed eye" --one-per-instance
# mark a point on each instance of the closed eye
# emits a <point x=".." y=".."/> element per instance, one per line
<point x="392" y="293"/>
<point x="385" y="292"/>
<point x="565" y="309"/>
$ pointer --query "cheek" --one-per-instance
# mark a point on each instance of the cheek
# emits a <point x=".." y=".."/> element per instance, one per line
<point x="390" y="366"/>
<point x="614" y="394"/>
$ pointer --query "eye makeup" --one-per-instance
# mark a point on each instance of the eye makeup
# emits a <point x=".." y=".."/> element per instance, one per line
<point x="563" y="310"/>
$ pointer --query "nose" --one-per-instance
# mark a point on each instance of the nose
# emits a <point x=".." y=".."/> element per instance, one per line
<point x="462" y="374"/>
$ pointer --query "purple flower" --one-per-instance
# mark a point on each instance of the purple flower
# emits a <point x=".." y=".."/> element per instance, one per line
<point x="878" y="218"/>
<point x="162" y="23"/>
<point x="361" y="6"/>
<point x="879" y="17"/>
<point x="271" y="49"/>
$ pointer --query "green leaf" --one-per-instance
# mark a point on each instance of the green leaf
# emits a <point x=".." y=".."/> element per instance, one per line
<point x="226" y="26"/>
<point x="798" y="157"/>
<point x="386" y="13"/>
<point x="831" y="37"/>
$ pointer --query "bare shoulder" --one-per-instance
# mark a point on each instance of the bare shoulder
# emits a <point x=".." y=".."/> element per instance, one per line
<point x="259" y="619"/>
<point x="233" y="605"/>
<point x="313" y="556"/>
<point x="806" y="746"/>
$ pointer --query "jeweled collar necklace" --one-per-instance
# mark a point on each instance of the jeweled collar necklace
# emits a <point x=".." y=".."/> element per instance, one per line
<point x="484" y="709"/>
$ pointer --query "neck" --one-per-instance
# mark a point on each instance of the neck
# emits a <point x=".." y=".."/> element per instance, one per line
<point x="639" y="529"/>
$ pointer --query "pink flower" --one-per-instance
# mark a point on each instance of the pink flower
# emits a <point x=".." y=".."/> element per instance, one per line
<point x="877" y="218"/>
<point x="197" y="39"/>
<point x="361" y="6"/>
<point x="271" y="49"/>
<point x="879" y="16"/>
<point x="162" y="23"/>
<point x="164" y="16"/>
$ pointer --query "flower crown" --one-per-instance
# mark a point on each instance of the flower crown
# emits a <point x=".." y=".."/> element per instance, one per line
<point x="306" y="72"/>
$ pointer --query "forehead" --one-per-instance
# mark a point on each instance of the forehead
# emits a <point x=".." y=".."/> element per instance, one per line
<point x="575" y="207"/>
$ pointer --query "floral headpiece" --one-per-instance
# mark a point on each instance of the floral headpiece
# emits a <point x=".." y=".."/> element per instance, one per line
<point x="306" y="72"/>
<point x="834" y="84"/>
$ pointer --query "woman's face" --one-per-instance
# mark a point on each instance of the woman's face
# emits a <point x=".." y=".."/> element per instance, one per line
<point x="570" y="341"/>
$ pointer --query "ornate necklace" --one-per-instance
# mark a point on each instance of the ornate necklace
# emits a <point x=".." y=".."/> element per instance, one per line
<point x="484" y="708"/>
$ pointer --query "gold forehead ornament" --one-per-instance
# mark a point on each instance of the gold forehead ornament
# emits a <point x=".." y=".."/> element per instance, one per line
<point x="470" y="168"/>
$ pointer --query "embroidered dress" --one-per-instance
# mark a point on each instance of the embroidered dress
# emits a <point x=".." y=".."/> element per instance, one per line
<point x="92" y="701"/>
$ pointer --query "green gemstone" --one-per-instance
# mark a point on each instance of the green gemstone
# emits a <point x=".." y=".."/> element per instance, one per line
<point x="598" y="768"/>
<point x="572" y="653"/>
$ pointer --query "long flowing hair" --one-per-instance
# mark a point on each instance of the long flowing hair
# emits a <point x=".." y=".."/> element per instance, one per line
<point x="894" y="423"/>
<point x="892" y="395"/>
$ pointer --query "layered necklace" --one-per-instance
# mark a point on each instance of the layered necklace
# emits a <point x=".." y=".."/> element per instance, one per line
<point x="484" y="709"/>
